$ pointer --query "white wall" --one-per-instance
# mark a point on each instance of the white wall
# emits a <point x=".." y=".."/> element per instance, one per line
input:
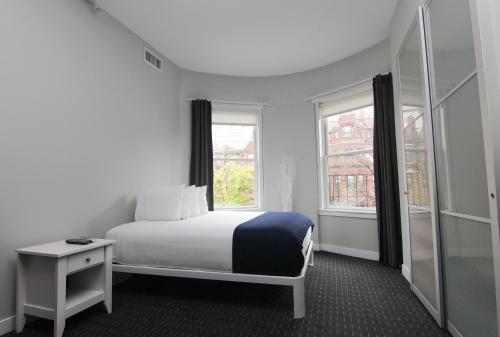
<point x="289" y="129"/>
<point x="84" y="125"/>
<point x="355" y="236"/>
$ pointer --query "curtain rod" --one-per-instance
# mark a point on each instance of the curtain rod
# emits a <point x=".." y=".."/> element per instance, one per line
<point x="231" y="102"/>
<point x="343" y="88"/>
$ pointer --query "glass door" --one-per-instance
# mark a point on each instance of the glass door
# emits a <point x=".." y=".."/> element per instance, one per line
<point x="465" y="223"/>
<point x="417" y="140"/>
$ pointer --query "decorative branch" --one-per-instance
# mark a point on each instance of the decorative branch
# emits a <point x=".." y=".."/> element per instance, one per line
<point x="287" y="180"/>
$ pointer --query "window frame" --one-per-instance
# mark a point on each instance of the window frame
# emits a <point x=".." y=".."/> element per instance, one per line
<point x="256" y="109"/>
<point x="322" y="158"/>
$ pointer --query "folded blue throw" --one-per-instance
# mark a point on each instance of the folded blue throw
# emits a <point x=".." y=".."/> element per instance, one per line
<point x="270" y="244"/>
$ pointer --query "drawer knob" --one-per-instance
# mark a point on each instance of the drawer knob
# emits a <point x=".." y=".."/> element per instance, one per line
<point x="87" y="259"/>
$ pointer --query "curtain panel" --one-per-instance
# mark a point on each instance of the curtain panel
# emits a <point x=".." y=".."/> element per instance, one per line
<point x="201" y="167"/>
<point x="386" y="173"/>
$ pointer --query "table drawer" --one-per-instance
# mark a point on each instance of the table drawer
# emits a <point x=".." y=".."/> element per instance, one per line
<point x="85" y="259"/>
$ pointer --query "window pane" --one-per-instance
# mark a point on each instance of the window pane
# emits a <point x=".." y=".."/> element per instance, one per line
<point x="417" y="182"/>
<point x="461" y="159"/>
<point x="350" y="131"/>
<point x="234" y="183"/>
<point x="452" y="44"/>
<point x="233" y="141"/>
<point x="350" y="159"/>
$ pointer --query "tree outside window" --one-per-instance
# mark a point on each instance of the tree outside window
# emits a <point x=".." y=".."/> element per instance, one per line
<point x="235" y="166"/>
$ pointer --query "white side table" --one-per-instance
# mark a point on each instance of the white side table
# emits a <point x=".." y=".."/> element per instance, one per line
<point x="57" y="280"/>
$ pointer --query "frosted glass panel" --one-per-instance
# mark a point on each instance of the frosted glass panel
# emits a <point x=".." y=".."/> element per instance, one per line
<point x="460" y="153"/>
<point x="469" y="277"/>
<point x="422" y="250"/>
<point x="452" y="44"/>
<point x="466" y="238"/>
<point x="416" y="169"/>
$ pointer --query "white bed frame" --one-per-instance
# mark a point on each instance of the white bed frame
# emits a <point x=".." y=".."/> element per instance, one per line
<point x="297" y="282"/>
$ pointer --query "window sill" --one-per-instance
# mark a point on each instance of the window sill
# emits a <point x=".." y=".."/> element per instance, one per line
<point x="249" y="209"/>
<point x="347" y="213"/>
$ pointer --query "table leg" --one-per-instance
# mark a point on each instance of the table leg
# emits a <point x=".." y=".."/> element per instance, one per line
<point x="21" y="294"/>
<point x="60" y="290"/>
<point x="108" y="278"/>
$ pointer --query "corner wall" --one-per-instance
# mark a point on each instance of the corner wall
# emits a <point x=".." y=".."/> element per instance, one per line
<point x="84" y="125"/>
<point x="289" y="130"/>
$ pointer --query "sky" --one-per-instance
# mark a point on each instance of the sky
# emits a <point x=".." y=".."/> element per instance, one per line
<point x="233" y="136"/>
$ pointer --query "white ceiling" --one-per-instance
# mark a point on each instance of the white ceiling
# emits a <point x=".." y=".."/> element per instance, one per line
<point x="255" y="37"/>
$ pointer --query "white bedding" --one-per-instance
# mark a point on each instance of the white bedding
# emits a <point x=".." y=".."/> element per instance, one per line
<point x="204" y="242"/>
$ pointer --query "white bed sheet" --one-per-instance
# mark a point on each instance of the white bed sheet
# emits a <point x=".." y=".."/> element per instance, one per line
<point x="203" y="243"/>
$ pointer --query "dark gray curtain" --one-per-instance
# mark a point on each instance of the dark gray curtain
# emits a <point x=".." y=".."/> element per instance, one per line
<point x="201" y="170"/>
<point x="386" y="173"/>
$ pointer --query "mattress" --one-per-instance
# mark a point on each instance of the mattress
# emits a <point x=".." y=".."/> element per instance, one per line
<point x="201" y="243"/>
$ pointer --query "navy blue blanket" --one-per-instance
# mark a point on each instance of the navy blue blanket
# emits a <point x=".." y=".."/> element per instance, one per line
<point x="270" y="244"/>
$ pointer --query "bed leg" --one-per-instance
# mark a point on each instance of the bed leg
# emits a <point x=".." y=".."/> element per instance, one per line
<point x="311" y="258"/>
<point x="299" y="302"/>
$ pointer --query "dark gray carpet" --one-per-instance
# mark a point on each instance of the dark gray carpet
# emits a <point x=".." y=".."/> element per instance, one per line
<point x="345" y="297"/>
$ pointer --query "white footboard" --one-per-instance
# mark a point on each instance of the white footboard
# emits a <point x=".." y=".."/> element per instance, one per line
<point x="297" y="282"/>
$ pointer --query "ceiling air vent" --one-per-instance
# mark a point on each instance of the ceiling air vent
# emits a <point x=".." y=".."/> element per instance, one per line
<point x="153" y="60"/>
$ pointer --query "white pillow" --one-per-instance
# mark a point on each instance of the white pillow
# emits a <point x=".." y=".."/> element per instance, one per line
<point x="161" y="204"/>
<point x="203" y="199"/>
<point x="195" y="205"/>
<point x="187" y="201"/>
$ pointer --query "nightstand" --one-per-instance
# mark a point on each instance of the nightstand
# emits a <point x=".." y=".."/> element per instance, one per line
<point x="57" y="280"/>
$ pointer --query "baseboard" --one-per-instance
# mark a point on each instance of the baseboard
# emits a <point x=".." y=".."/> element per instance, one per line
<point x="364" y="254"/>
<point x="7" y="325"/>
<point x="316" y="247"/>
<point x="406" y="272"/>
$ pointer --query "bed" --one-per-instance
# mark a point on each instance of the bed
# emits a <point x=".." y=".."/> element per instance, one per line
<point x="253" y="247"/>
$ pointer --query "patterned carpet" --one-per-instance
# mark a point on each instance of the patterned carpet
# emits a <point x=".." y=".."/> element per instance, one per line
<point x="345" y="296"/>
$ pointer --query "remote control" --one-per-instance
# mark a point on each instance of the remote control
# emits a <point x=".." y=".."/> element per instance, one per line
<point x="79" y="241"/>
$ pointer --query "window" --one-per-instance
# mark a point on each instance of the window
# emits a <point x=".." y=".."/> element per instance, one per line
<point x="347" y="131"/>
<point x="346" y="161"/>
<point x="237" y="169"/>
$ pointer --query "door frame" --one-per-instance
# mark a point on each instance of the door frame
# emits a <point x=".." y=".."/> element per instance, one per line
<point x="437" y="312"/>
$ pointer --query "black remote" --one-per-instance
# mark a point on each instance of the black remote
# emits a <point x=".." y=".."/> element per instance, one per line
<point x="79" y="241"/>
